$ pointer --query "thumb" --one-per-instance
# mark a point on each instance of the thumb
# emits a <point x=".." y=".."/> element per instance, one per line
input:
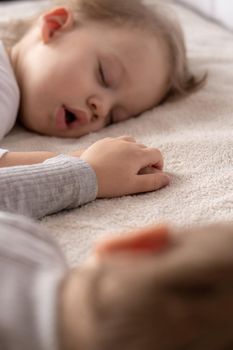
<point x="151" y="182"/>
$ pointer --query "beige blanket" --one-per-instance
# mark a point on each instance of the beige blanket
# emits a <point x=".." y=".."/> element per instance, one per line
<point x="195" y="136"/>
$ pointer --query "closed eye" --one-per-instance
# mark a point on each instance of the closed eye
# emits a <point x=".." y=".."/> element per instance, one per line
<point x="102" y="76"/>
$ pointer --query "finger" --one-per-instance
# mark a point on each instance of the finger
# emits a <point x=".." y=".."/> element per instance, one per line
<point x="152" y="157"/>
<point x="127" y="138"/>
<point x="141" y="145"/>
<point x="146" y="239"/>
<point x="152" y="170"/>
<point x="148" y="170"/>
<point x="151" y="182"/>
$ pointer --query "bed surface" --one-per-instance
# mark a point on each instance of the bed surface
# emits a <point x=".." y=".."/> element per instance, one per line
<point x="195" y="136"/>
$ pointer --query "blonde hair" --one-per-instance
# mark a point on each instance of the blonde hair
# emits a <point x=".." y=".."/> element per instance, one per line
<point x="155" y="19"/>
<point x="158" y="20"/>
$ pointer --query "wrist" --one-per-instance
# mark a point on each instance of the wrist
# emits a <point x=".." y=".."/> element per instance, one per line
<point x="24" y="158"/>
<point x="76" y="153"/>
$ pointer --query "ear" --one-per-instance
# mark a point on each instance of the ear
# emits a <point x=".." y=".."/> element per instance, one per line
<point x="55" y="20"/>
<point x="150" y="239"/>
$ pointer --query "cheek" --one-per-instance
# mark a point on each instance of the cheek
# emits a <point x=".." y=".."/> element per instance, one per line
<point x="73" y="86"/>
<point x="120" y="117"/>
<point x="37" y="98"/>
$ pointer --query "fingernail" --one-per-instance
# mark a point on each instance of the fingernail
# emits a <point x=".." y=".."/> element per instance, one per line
<point x="168" y="174"/>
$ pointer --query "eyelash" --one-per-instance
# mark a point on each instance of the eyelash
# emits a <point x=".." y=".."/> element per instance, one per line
<point x="102" y="76"/>
<point x="104" y="82"/>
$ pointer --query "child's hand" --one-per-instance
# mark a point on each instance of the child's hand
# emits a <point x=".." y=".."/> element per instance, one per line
<point x="117" y="163"/>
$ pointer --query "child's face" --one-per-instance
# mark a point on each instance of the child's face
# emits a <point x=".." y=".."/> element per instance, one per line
<point x="102" y="75"/>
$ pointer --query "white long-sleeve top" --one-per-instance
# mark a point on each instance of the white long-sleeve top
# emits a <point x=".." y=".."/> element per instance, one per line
<point x="31" y="270"/>
<point x="9" y="95"/>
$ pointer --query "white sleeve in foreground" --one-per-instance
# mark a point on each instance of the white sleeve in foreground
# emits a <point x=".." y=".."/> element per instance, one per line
<point x="3" y="151"/>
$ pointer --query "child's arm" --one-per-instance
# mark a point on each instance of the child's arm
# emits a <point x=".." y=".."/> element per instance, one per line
<point x="36" y="190"/>
<point x="109" y="168"/>
<point x="26" y="158"/>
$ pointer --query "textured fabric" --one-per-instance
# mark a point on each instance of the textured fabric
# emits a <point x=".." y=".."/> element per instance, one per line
<point x="9" y="95"/>
<point x="62" y="182"/>
<point x="31" y="269"/>
<point x="195" y="136"/>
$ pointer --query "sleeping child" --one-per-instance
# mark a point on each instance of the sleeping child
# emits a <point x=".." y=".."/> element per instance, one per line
<point x="81" y="66"/>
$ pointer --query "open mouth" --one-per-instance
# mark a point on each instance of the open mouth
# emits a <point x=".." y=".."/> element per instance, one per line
<point x="70" y="117"/>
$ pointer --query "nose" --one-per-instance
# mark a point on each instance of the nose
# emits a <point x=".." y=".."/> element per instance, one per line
<point x="99" y="107"/>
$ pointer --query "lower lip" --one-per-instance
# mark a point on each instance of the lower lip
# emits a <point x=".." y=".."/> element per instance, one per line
<point x="60" y="119"/>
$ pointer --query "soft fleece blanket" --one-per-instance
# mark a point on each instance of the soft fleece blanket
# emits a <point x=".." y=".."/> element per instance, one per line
<point x="195" y="135"/>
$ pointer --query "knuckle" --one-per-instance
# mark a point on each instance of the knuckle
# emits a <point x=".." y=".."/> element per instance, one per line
<point x="158" y="155"/>
<point x="139" y="153"/>
<point x="106" y="139"/>
<point x="157" y="151"/>
<point x="124" y="136"/>
<point x="128" y="138"/>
